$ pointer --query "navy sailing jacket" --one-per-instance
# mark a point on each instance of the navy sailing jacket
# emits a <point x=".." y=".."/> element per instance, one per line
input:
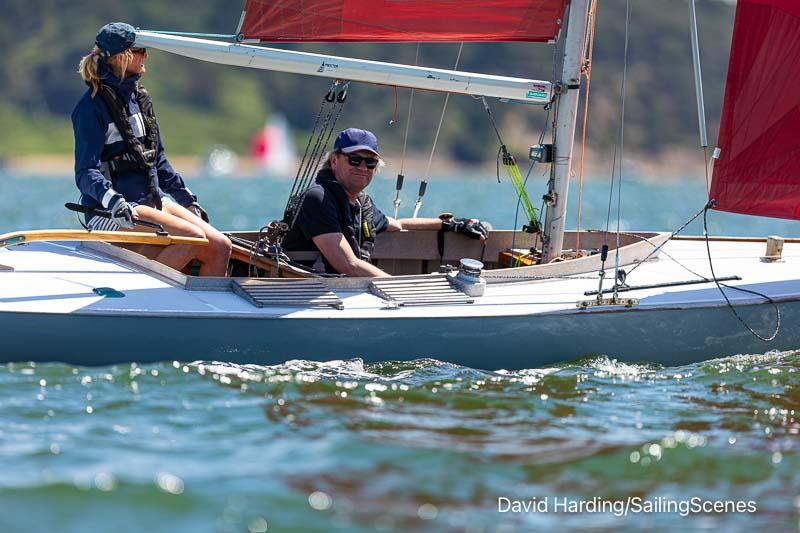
<point x="97" y="139"/>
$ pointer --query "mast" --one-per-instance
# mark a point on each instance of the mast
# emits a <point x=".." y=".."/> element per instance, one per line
<point x="564" y="131"/>
<point x="698" y="76"/>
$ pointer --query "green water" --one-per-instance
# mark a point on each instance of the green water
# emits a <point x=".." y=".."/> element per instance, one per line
<point x="415" y="446"/>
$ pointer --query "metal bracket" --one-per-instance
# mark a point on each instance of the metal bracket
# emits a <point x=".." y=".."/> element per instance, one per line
<point x="626" y="302"/>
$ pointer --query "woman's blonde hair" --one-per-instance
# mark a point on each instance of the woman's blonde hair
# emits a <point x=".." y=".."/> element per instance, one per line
<point x="88" y="67"/>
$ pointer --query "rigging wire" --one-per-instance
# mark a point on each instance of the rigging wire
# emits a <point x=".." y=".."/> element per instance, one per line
<point x="270" y="237"/>
<point x="312" y="155"/>
<point x="586" y="68"/>
<point x="408" y="116"/>
<point x="424" y="183"/>
<point x="400" y="175"/>
<point x="618" y="147"/>
<point x="622" y="142"/>
<point x="657" y="248"/>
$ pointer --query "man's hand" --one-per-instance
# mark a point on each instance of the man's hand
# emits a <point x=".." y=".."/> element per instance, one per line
<point x="122" y="213"/>
<point x="471" y="227"/>
<point x="198" y="211"/>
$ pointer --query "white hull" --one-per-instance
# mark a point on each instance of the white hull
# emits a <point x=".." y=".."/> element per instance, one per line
<point x="49" y="312"/>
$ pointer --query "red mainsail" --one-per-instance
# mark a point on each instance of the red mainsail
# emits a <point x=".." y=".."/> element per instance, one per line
<point x="758" y="170"/>
<point x="402" y="20"/>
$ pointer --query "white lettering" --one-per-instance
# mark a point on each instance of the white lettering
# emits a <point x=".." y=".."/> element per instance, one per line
<point x="503" y="500"/>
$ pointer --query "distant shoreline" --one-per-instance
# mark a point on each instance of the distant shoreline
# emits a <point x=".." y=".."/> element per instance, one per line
<point x="672" y="164"/>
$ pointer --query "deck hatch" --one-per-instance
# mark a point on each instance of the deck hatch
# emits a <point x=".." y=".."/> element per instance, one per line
<point x="286" y="293"/>
<point x="419" y="290"/>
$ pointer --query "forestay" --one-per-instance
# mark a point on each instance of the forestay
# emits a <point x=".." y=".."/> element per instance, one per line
<point x="757" y="171"/>
<point x="404" y="20"/>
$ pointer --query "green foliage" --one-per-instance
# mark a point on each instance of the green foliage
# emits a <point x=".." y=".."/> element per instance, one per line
<point x="33" y="133"/>
<point x="201" y="104"/>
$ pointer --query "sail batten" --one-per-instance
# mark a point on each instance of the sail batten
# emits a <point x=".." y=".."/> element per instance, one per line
<point x="403" y="20"/>
<point x="343" y="68"/>
<point x="758" y="169"/>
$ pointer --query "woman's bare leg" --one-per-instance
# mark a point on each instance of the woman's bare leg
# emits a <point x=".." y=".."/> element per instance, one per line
<point x="175" y="256"/>
<point x="216" y="255"/>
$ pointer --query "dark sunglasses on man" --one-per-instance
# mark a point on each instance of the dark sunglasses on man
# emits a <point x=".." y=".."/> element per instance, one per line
<point x="355" y="160"/>
<point x="142" y="51"/>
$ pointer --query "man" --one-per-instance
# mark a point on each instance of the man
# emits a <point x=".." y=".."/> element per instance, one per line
<point x="339" y="220"/>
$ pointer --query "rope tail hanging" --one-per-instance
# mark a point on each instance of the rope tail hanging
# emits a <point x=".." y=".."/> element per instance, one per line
<point x="514" y="176"/>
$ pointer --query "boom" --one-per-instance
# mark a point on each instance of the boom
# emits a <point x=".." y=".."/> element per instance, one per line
<point x="343" y="68"/>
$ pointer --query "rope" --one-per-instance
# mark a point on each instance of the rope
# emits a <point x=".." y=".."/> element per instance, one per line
<point x="548" y="108"/>
<point x="523" y="278"/>
<point x="720" y="285"/>
<point x="516" y="212"/>
<point x="308" y="144"/>
<point x="312" y="156"/>
<point x="514" y="174"/>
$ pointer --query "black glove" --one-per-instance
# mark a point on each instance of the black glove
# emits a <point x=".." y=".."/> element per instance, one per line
<point x="122" y="212"/>
<point x="471" y="227"/>
<point x="198" y="211"/>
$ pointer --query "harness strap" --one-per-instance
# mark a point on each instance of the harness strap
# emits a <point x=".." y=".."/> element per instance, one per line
<point x="137" y="156"/>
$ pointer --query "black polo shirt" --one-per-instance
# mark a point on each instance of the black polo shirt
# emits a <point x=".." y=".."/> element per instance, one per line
<point x="327" y="209"/>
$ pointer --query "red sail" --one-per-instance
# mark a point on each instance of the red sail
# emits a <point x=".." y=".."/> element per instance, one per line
<point x="758" y="170"/>
<point x="403" y="20"/>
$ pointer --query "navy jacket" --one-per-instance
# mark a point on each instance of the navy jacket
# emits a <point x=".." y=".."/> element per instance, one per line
<point x="97" y="139"/>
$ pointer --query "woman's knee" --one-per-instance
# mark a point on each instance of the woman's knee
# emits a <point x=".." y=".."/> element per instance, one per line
<point x="220" y="243"/>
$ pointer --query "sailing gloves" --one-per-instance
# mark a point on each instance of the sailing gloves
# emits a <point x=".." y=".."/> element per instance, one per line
<point x="198" y="211"/>
<point x="471" y="227"/>
<point x="122" y="213"/>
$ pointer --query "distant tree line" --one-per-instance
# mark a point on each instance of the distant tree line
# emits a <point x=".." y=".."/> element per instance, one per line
<point x="202" y="104"/>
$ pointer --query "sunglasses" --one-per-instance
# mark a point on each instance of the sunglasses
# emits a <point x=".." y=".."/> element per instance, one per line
<point x="355" y="160"/>
<point x="139" y="50"/>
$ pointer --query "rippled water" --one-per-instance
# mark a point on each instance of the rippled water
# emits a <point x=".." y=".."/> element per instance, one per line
<point x="422" y="445"/>
<point x="414" y="446"/>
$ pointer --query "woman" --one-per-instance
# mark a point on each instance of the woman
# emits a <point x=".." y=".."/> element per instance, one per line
<point x="120" y="164"/>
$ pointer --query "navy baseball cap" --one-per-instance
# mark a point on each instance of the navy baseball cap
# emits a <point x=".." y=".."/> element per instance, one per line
<point x="353" y="139"/>
<point x="115" y="38"/>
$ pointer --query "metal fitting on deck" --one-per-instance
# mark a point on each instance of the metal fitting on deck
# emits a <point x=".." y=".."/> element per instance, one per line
<point x="468" y="280"/>
<point x="774" y="250"/>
